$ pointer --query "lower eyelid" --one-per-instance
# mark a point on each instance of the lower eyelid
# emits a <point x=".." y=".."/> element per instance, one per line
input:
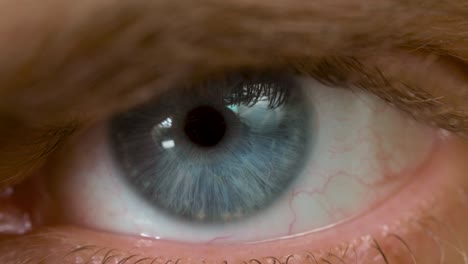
<point x="403" y="227"/>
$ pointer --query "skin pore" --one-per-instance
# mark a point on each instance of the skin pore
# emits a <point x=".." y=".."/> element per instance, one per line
<point x="67" y="65"/>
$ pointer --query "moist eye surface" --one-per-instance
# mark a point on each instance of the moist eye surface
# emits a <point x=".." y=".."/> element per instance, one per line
<point x="215" y="153"/>
<point x="241" y="159"/>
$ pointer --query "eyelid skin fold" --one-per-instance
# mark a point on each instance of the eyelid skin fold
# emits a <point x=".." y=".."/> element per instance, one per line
<point x="401" y="229"/>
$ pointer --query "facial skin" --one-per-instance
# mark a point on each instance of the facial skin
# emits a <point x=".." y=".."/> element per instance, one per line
<point x="67" y="65"/>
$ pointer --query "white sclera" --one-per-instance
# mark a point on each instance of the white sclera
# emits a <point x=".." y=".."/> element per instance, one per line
<point x="363" y="151"/>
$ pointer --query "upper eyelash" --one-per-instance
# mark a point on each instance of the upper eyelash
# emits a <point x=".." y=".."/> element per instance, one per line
<point x="248" y="90"/>
<point x="415" y="101"/>
<point x="251" y="92"/>
<point x="350" y="73"/>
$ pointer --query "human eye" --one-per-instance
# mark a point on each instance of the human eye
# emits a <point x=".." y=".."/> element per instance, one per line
<point x="248" y="160"/>
<point x="146" y="132"/>
<point x="244" y="158"/>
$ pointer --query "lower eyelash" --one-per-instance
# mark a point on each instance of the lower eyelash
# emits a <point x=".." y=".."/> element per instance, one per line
<point x="344" y="254"/>
<point x="368" y="248"/>
<point x="393" y="243"/>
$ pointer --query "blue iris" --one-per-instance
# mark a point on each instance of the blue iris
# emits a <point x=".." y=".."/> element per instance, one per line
<point x="218" y="152"/>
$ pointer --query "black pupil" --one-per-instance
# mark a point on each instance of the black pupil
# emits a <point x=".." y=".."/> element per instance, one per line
<point x="205" y="126"/>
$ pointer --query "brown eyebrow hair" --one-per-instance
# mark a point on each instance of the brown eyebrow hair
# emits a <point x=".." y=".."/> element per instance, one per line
<point x="114" y="47"/>
<point x="73" y="65"/>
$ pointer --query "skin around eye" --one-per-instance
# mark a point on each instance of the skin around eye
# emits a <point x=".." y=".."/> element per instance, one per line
<point x="362" y="153"/>
<point x="424" y="221"/>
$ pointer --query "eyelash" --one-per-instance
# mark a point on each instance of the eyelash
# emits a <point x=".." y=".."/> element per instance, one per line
<point x="321" y="257"/>
<point x="416" y="102"/>
<point x="350" y="73"/>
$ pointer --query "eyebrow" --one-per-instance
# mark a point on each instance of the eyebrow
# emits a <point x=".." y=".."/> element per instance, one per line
<point x="113" y="50"/>
<point x="110" y="55"/>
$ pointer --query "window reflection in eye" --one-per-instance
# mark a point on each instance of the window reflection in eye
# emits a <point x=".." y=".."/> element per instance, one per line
<point x="244" y="159"/>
